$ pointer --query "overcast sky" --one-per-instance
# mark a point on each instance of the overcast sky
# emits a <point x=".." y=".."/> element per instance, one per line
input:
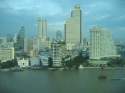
<point x="106" y="13"/>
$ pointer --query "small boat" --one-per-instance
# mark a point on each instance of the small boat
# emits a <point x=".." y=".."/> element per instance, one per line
<point x="102" y="77"/>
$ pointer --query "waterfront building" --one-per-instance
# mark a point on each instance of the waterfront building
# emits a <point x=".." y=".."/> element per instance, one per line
<point x="101" y="44"/>
<point x="73" y="28"/>
<point x="6" y="51"/>
<point x="43" y="56"/>
<point x="56" y="54"/>
<point x="23" y="63"/>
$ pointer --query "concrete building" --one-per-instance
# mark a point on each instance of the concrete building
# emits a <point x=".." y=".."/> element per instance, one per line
<point x="23" y="63"/>
<point x="73" y="28"/>
<point x="6" y="54"/>
<point x="101" y="44"/>
<point x="44" y="55"/>
<point x="3" y="40"/>
<point x="42" y="28"/>
<point x="6" y="51"/>
<point x="20" y="44"/>
<point x="56" y="54"/>
<point x="59" y="36"/>
<point x="41" y="39"/>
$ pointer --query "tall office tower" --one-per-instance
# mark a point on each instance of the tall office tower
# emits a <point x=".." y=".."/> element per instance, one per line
<point x="73" y="28"/>
<point x="42" y="41"/>
<point x="58" y="35"/>
<point x="20" y="42"/>
<point x="101" y="44"/>
<point x="42" y="28"/>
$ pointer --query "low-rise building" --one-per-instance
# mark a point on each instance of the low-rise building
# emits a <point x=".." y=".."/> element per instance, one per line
<point x="23" y="63"/>
<point x="6" y="54"/>
<point x="6" y="51"/>
<point x="44" y="55"/>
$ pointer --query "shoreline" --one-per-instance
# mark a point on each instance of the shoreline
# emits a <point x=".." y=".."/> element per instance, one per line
<point x="57" y="69"/>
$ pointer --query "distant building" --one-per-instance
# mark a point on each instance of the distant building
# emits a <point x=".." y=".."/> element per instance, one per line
<point x="101" y="44"/>
<point x="59" y="36"/>
<point x="42" y="28"/>
<point x="120" y="46"/>
<point x="20" y="40"/>
<point x="56" y="54"/>
<point x="6" y="51"/>
<point x="3" y="40"/>
<point x="73" y="28"/>
<point x="42" y="41"/>
<point x="44" y="55"/>
<point x="23" y="63"/>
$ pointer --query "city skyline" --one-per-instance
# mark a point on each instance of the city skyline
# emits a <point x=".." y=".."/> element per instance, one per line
<point x="108" y="13"/>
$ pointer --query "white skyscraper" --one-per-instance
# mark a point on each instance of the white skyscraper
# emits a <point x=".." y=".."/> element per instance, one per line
<point x="73" y="28"/>
<point x="42" y="28"/>
<point x="101" y="44"/>
<point x="42" y="41"/>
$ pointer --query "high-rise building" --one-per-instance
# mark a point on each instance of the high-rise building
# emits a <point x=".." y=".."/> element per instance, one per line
<point x="101" y="44"/>
<point x="42" y="41"/>
<point x="42" y="28"/>
<point x="73" y="28"/>
<point x="20" y="42"/>
<point x="56" y="54"/>
<point x="58" y="35"/>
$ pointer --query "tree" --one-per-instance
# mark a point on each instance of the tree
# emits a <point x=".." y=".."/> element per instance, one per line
<point x="9" y="63"/>
<point x="116" y="62"/>
<point x="40" y="62"/>
<point x="50" y="62"/>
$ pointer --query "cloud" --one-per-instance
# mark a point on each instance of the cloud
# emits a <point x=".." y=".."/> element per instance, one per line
<point x="35" y="7"/>
<point x="103" y="17"/>
<point x="120" y="18"/>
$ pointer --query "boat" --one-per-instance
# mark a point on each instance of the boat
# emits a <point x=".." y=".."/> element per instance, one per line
<point x="102" y="77"/>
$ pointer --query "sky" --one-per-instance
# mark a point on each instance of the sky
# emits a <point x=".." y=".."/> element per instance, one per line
<point x="109" y="14"/>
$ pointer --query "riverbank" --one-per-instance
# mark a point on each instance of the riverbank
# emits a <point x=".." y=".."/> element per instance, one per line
<point x="54" y="69"/>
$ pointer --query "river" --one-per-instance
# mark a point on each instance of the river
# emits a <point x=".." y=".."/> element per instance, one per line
<point x="79" y="81"/>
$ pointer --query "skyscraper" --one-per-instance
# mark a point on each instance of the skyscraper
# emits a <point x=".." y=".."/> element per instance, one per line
<point x="42" y="28"/>
<point x="73" y="28"/>
<point x="20" y="42"/>
<point x="58" y="35"/>
<point x="101" y="44"/>
<point x="42" y="41"/>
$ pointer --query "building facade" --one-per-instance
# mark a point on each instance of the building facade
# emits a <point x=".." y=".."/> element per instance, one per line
<point x="41" y="39"/>
<point x="6" y="51"/>
<point x="23" y="63"/>
<point x="101" y="44"/>
<point x="56" y="54"/>
<point x="73" y="28"/>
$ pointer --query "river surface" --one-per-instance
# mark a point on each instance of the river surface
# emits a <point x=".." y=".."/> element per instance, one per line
<point x="81" y="81"/>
